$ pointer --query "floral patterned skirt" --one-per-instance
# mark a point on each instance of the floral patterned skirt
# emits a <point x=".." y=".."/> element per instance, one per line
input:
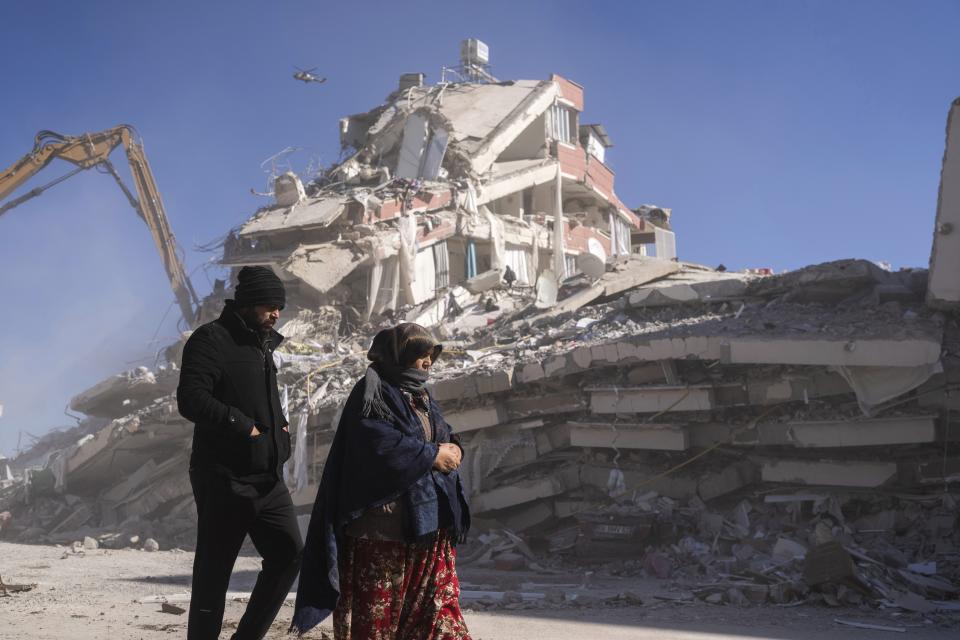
<point x="398" y="591"/>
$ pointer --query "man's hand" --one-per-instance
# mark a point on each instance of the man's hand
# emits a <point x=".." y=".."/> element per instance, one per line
<point x="287" y="429"/>
<point x="254" y="432"/>
<point x="448" y="458"/>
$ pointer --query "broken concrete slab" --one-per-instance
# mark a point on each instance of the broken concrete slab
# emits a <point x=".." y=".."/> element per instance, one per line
<point x="732" y="477"/>
<point x="629" y="272"/>
<point x="323" y="266"/>
<point x="785" y="550"/>
<point x="657" y="437"/>
<point x="842" y="433"/>
<point x="122" y="489"/>
<point x="88" y="447"/>
<point x="909" y="352"/>
<point x="795" y="388"/>
<point x="571" y="303"/>
<point x="7" y="589"/>
<point x="631" y="349"/>
<point x="520" y="407"/>
<point x="526" y="491"/>
<point x="124" y="393"/>
<point x="495" y="381"/>
<point x="635" y="270"/>
<point x="648" y="373"/>
<point x="76" y="518"/>
<point x="876" y="385"/>
<point x="166" y="607"/>
<point x="483" y="281"/>
<point x="310" y="213"/>
<point x="514" y="176"/>
<point x="650" y="399"/>
<point x="879" y="431"/>
<point x="552" y="438"/>
<point x="507" y="113"/>
<point x="473" y="384"/>
<point x="828" y="282"/>
<point x="477" y="418"/>
<point x="943" y="288"/>
<point x="690" y="285"/>
<point x="846" y="473"/>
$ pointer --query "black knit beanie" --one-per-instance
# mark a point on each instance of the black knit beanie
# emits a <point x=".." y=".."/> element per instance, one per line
<point x="259" y="285"/>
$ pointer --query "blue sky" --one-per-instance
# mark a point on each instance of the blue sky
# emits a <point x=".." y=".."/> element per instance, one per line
<point x="781" y="134"/>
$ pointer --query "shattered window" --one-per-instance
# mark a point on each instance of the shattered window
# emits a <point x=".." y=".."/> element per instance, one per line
<point x="441" y="260"/>
<point x="422" y="149"/>
<point x="560" y="124"/>
<point x="619" y="235"/>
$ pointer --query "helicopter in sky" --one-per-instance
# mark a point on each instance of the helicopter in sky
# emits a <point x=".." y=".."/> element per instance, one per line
<point x="308" y="76"/>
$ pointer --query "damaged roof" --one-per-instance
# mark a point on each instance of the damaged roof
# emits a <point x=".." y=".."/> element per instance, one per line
<point x="474" y="111"/>
<point x="313" y="212"/>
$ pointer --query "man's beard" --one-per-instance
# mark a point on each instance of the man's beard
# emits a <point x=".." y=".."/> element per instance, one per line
<point x="263" y="329"/>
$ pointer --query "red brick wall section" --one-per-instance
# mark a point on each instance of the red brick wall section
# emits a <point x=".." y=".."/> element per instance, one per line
<point x="440" y="232"/>
<point x="600" y="177"/>
<point x="578" y="236"/>
<point x="570" y="90"/>
<point x="573" y="161"/>
<point x="426" y="201"/>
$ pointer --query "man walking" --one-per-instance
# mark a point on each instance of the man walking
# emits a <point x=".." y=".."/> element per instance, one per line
<point x="228" y="389"/>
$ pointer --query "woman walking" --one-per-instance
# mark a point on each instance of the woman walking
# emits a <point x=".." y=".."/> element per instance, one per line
<point x="380" y="552"/>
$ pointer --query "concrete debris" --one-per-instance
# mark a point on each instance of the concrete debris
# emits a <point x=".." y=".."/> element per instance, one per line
<point x="944" y="288"/>
<point x="691" y="285"/>
<point x="121" y="394"/>
<point x="7" y="589"/>
<point x="845" y="473"/>
<point x="769" y="438"/>
<point x="827" y="563"/>
<point x="166" y="607"/>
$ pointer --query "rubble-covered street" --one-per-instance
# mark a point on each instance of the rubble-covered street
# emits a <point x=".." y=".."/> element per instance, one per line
<point x="90" y="595"/>
<point x="654" y="448"/>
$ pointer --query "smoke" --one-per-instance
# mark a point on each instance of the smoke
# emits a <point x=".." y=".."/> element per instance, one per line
<point x="81" y="290"/>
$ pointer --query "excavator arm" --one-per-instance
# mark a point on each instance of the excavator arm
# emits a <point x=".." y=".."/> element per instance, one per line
<point x="93" y="150"/>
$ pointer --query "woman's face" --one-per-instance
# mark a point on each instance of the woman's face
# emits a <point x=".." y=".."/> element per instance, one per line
<point x="423" y="363"/>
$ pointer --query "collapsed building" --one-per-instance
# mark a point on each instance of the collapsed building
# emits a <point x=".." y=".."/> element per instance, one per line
<point x="446" y="186"/>
<point x="788" y="436"/>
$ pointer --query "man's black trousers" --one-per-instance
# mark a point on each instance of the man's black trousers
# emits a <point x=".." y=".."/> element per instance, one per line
<point x="227" y="511"/>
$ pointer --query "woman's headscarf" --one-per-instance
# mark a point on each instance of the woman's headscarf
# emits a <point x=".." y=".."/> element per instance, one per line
<point x="392" y="355"/>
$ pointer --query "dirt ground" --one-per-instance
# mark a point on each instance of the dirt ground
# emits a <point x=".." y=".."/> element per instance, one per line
<point x="91" y="596"/>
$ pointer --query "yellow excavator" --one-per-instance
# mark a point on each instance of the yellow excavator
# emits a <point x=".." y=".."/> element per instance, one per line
<point x="92" y="150"/>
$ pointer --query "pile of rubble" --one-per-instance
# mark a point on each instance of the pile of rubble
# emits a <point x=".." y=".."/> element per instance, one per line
<point x="824" y="547"/>
<point x="609" y="430"/>
<point x="764" y="437"/>
<point x="118" y="478"/>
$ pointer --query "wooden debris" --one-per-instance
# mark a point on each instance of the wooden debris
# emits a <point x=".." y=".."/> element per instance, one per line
<point x="872" y="627"/>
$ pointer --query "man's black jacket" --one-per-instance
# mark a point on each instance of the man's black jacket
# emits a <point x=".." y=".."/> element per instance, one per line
<point x="228" y="384"/>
